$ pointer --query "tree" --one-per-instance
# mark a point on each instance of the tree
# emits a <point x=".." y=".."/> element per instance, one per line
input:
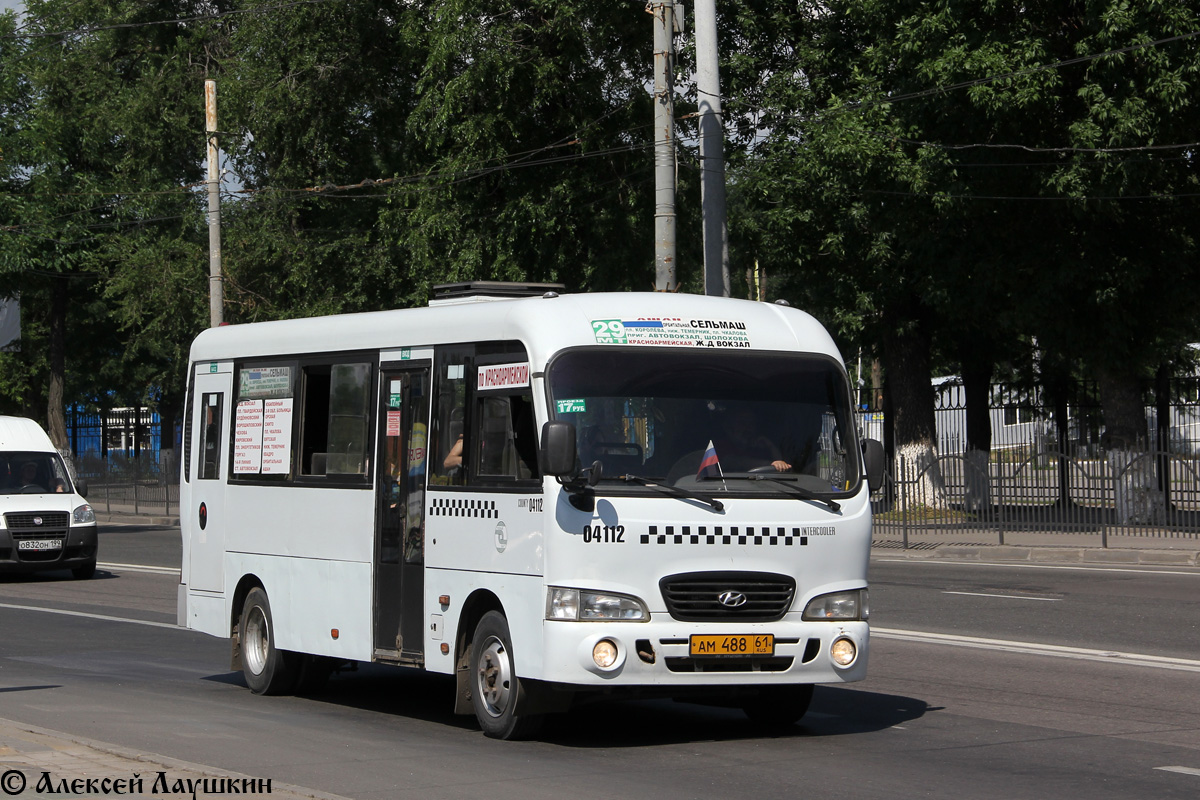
<point x="921" y="169"/>
<point x="454" y="141"/>
<point x="102" y="140"/>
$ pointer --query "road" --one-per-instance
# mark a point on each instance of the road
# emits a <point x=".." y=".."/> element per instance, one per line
<point x="956" y="705"/>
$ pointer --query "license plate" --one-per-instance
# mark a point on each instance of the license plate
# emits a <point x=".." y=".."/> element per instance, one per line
<point x="39" y="544"/>
<point x="761" y="644"/>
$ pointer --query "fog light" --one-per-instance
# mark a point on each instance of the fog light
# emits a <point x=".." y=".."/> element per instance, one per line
<point x="605" y="653"/>
<point x="843" y="652"/>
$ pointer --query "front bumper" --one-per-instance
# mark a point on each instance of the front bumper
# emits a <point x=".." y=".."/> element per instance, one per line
<point x="657" y="654"/>
<point x="78" y="547"/>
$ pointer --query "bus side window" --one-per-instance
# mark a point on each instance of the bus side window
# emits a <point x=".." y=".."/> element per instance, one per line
<point x="210" y="436"/>
<point x="506" y="439"/>
<point x="448" y="454"/>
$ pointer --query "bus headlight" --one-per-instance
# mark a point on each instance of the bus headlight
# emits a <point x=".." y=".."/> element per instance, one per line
<point x="84" y="515"/>
<point x="838" y="606"/>
<point x="578" y="605"/>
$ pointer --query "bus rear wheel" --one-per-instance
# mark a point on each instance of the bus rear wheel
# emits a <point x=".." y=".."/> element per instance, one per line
<point x="268" y="670"/>
<point x="779" y="707"/>
<point x="495" y="687"/>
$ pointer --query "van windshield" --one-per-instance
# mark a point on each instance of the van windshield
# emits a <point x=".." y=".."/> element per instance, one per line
<point x="654" y="415"/>
<point x="32" y="473"/>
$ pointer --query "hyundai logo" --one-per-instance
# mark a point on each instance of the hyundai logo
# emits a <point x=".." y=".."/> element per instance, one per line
<point x="731" y="599"/>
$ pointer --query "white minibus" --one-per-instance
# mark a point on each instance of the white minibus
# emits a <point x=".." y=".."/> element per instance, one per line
<point x="553" y="498"/>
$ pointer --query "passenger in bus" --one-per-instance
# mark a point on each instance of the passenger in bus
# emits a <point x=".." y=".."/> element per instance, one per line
<point x="455" y="457"/>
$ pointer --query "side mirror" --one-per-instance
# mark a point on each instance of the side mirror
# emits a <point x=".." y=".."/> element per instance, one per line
<point x="873" y="463"/>
<point x="558" y="449"/>
<point x="81" y="487"/>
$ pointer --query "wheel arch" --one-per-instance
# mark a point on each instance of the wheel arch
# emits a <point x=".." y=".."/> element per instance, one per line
<point x="480" y="602"/>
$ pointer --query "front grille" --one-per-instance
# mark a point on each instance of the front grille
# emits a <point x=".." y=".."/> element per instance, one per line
<point x="25" y="520"/>
<point x="697" y="596"/>
<point x="40" y="526"/>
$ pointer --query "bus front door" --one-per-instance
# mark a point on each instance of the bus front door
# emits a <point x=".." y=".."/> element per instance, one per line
<point x="400" y="517"/>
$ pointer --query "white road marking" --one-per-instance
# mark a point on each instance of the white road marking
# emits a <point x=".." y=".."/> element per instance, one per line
<point x="1035" y="649"/>
<point x="104" y="617"/>
<point x="1007" y="596"/>
<point x="949" y="562"/>
<point x="1184" y="770"/>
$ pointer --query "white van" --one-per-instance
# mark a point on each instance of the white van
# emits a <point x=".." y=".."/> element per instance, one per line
<point x="45" y="524"/>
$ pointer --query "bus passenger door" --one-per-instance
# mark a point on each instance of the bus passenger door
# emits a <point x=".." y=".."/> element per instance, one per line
<point x="210" y="461"/>
<point x="400" y="516"/>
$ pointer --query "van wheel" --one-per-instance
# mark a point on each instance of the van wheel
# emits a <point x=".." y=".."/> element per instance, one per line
<point x="495" y="687"/>
<point x="84" y="572"/>
<point x="779" y="707"/>
<point x="268" y="670"/>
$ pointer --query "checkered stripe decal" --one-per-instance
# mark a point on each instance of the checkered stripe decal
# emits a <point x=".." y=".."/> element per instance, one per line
<point x="720" y="534"/>
<point x="480" y="509"/>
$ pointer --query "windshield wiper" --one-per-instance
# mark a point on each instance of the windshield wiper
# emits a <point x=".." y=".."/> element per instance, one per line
<point x="802" y="494"/>
<point x="717" y="505"/>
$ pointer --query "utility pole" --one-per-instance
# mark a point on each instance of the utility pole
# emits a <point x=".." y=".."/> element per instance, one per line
<point x="216" y="289"/>
<point x="664" y="145"/>
<point x="712" y="151"/>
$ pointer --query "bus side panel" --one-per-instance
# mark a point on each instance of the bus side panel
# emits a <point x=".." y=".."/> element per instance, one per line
<point x="310" y="599"/>
<point x="485" y="531"/>
<point x="335" y="524"/>
<point x="206" y="613"/>
<point x="522" y="598"/>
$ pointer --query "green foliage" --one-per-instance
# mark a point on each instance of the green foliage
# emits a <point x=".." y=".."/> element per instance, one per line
<point x="978" y="176"/>
<point x="957" y="167"/>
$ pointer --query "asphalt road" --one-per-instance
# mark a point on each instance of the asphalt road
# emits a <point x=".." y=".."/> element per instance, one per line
<point x="964" y="699"/>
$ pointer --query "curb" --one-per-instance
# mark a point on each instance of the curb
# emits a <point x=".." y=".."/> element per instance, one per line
<point x="137" y="519"/>
<point x="1041" y="554"/>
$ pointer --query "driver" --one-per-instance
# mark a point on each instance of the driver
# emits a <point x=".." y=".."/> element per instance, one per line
<point x="27" y="475"/>
<point x="741" y="447"/>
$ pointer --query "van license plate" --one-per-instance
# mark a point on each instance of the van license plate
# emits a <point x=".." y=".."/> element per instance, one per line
<point x="39" y="544"/>
<point x="762" y="644"/>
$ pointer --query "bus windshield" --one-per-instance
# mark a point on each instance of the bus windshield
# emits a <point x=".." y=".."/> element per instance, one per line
<point x="772" y="420"/>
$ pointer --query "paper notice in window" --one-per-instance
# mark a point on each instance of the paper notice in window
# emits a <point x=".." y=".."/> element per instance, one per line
<point x="277" y="436"/>
<point x="248" y="437"/>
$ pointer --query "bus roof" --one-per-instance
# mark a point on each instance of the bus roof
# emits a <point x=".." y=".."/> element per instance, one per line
<point x="545" y="325"/>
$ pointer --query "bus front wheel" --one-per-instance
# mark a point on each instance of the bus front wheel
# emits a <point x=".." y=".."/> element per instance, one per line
<point x="495" y="687"/>
<point x="268" y="670"/>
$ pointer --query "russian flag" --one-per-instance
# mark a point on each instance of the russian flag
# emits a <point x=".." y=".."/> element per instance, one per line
<point x="710" y="467"/>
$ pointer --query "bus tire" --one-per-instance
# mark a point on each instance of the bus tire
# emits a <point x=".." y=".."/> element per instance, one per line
<point x="779" y="707"/>
<point x="268" y="670"/>
<point x="85" y="571"/>
<point x="495" y="687"/>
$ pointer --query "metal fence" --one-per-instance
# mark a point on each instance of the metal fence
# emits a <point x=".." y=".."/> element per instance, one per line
<point x="119" y="454"/>
<point x="1154" y="494"/>
<point x="1048" y="471"/>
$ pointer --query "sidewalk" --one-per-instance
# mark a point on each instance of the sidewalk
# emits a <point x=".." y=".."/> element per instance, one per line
<point x="1031" y="546"/>
<point x="31" y="757"/>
